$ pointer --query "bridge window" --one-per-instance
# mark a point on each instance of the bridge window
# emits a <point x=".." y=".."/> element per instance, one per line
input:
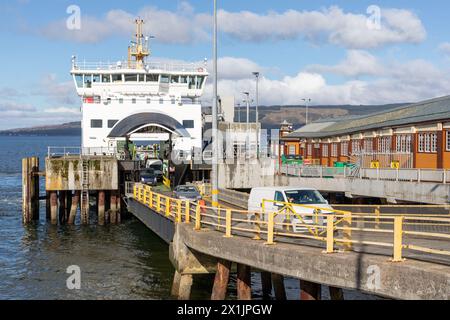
<point x="79" y="80"/>
<point x="188" y="124"/>
<point x="131" y="78"/>
<point x="152" y="77"/>
<point x="112" y="123"/>
<point x="200" y="81"/>
<point x="106" y="78"/>
<point x="174" y="79"/>
<point x="96" y="123"/>
<point x="164" y="78"/>
<point x="96" y="78"/>
<point x="116" y="78"/>
<point x="191" y="82"/>
<point x="141" y="77"/>
<point x="88" y="80"/>
<point x="183" y="79"/>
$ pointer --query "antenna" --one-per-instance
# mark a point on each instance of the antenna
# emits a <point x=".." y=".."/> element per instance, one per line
<point x="139" y="47"/>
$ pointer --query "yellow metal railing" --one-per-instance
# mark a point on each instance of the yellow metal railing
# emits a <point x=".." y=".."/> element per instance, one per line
<point x="337" y="230"/>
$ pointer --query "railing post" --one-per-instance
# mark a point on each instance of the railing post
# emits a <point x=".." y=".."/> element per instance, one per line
<point x="330" y="234"/>
<point x="419" y="175"/>
<point x="347" y="234"/>
<point x="135" y="192"/>
<point x="187" y="217"/>
<point x="178" y="219"/>
<point x="158" y="203"/>
<point x="377" y="217"/>
<point x="228" y="220"/>
<point x="167" y="207"/>
<point x="198" y="217"/>
<point x="398" y="235"/>
<point x="270" y="228"/>
<point x="150" y="201"/>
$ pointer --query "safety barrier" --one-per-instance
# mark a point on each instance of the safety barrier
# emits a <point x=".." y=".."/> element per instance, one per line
<point x="334" y="230"/>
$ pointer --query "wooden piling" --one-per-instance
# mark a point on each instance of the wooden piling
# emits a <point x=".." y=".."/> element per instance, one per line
<point x="113" y="208"/>
<point x="184" y="292"/>
<point x="336" y="293"/>
<point x="54" y="207"/>
<point x="221" y="280"/>
<point x="101" y="208"/>
<point x="266" y="283"/>
<point x="62" y="206"/>
<point x="30" y="189"/>
<point x="278" y="286"/>
<point x="74" y="207"/>
<point x="309" y="290"/>
<point x="47" y="206"/>
<point x="244" y="290"/>
<point x="119" y="209"/>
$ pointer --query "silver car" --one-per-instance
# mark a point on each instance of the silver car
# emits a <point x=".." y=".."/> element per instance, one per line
<point x="187" y="193"/>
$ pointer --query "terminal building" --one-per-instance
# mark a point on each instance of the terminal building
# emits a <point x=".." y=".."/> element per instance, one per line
<point x="412" y="136"/>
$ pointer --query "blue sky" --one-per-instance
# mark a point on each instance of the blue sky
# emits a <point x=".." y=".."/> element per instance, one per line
<point x="319" y="49"/>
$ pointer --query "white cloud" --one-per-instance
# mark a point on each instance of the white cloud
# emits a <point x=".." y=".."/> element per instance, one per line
<point x="357" y="63"/>
<point x="185" y="26"/>
<point x="444" y="48"/>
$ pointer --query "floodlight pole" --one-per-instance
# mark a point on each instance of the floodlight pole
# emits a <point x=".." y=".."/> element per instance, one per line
<point x="215" y="151"/>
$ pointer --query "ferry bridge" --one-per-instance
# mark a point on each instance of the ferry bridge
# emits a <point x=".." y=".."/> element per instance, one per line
<point x="380" y="252"/>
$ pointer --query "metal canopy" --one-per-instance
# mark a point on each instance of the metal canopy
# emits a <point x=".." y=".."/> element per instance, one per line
<point x="135" y="121"/>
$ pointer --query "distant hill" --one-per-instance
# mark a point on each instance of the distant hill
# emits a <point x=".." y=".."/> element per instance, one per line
<point x="66" y="129"/>
<point x="270" y="117"/>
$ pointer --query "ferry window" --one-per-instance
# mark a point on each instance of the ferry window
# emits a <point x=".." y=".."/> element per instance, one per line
<point x="112" y="123"/>
<point x="116" y="78"/>
<point x="133" y="101"/>
<point x="106" y="78"/>
<point x="152" y="77"/>
<point x="191" y="82"/>
<point x="164" y="78"/>
<point x="108" y="101"/>
<point x="79" y="80"/>
<point x="161" y="101"/>
<point x="149" y="100"/>
<point x="88" y="81"/>
<point x="174" y="79"/>
<point x="183" y="79"/>
<point x="97" y="99"/>
<point x="95" y="123"/>
<point x="188" y="124"/>
<point x="121" y="100"/>
<point x="141" y="77"/>
<point x="172" y="101"/>
<point x="130" y="77"/>
<point x="96" y="78"/>
<point x="200" y="82"/>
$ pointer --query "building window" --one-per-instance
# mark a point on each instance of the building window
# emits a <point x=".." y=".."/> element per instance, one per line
<point x="403" y="143"/>
<point x="368" y="145"/>
<point x="325" y="150"/>
<point x="309" y="149"/>
<point x="334" y="150"/>
<point x="344" y="149"/>
<point x="112" y="123"/>
<point x="427" y="142"/>
<point x="356" y="147"/>
<point x="447" y="140"/>
<point x="384" y="144"/>
<point x="96" y="123"/>
<point x="291" y="150"/>
<point x="188" y="124"/>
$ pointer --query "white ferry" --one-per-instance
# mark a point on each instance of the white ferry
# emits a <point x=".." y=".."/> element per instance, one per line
<point x="140" y="100"/>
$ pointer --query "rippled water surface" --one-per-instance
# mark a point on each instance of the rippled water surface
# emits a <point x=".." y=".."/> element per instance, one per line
<point x="117" y="262"/>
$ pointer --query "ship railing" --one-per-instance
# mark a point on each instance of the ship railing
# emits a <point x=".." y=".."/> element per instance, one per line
<point x="66" y="152"/>
<point x="160" y="66"/>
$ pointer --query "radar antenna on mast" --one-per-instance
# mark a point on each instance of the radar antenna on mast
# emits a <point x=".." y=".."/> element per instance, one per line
<point x="139" y="49"/>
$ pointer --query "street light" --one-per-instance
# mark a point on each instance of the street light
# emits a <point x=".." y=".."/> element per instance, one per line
<point x="256" y="74"/>
<point x="306" y="104"/>
<point x="247" y="101"/>
<point x="215" y="149"/>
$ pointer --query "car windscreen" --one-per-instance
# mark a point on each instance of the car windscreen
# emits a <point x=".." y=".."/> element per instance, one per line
<point x="187" y="189"/>
<point x="304" y="197"/>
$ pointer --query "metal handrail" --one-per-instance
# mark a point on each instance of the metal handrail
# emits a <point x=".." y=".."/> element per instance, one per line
<point x="64" y="152"/>
<point x="124" y="65"/>
<point x="237" y="223"/>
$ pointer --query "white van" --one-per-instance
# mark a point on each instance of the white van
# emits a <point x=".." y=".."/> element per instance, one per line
<point x="281" y="195"/>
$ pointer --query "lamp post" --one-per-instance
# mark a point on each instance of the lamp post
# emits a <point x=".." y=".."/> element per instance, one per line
<point x="256" y="74"/>
<point x="247" y="102"/>
<point x="307" y="100"/>
<point x="214" y="171"/>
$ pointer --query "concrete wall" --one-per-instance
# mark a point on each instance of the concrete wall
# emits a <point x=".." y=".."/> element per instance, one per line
<point x="66" y="173"/>
<point x="262" y="174"/>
